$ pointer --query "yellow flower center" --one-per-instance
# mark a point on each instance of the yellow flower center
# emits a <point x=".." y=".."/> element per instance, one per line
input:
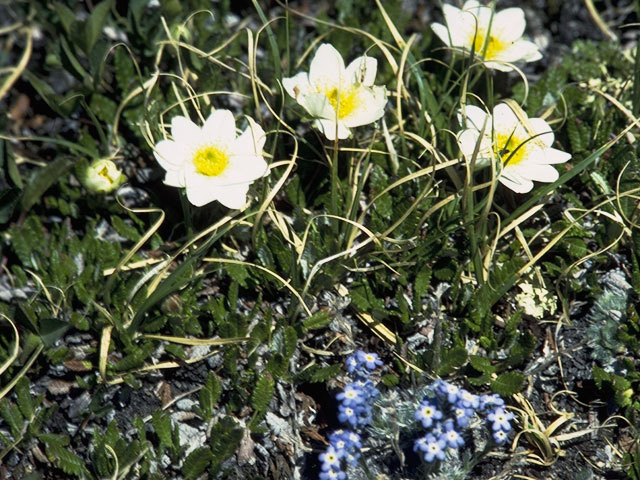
<point x="210" y="160"/>
<point x="344" y="101"/>
<point x="105" y="173"/>
<point x="481" y="40"/>
<point x="509" y="148"/>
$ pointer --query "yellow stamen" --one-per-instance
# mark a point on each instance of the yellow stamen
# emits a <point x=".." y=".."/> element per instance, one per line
<point x="509" y="148"/>
<point x="210" y="160"/>
<point x="493" y="44"/>
<point x="105" y="173"/>
<point x="344" y="101"/>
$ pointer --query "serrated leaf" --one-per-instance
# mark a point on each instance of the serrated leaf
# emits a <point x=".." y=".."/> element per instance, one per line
<point x="481" y="364"/>
<point x="317" y="320"/>
<point x="42" y="180"/>
<point x="210" y="394"/>
<point x="123" y="68"/>
<point x="162" y="426"/>
<point x="290" y="341"/>
<point x="68" y="461"/>
<point x="12" y="416"/>
<point x="196" y="463"/>
<point x="225" y="439"/>
<point x="421" y="284"/>
<point x="25" y="400"/>
<point x="104" y="108"/>
<point x="507" y="383"/>
<point x="452" y="359"/>
<point x="262" y="394"/>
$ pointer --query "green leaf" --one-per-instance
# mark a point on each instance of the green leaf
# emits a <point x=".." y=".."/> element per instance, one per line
<point x="209" y="395"/>
<point x="290" y="342"/>
<point x="316" y="374"/>
<point x="42" y="180"/>
<point x="452" y="359"/>
<point x="481" y="364"/>
<point x="225" y="439"/>
<point x="123" y="68"/>
<point x="12" y="416"/>
<point x="25" y="400"/>
<point x="507" y="383"/>
<point x="95" y="22"/>
<point x="196" y="463"/>
<point x="66" y="16"/>
<point x="162" y="426"/>
<point x="68" y="461"/>
<point x="317" y="320"/>
<point x="262" y="394"/>
<point x="52" y="330"/>
<point x="421" y="284"/>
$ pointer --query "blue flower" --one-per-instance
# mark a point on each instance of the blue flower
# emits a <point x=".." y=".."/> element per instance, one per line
<point x="463" y="415"/>
<point x="427" y="413"/>
<point x="369" y="360"/>
<point x="434" y="448"/>
<point x="451" y="436"/>
<point x="500" y="419"/>
<point x="500" y="436"/>
<point x="448" y="390"/>
<point x="351" y="395"/>
<point x="348" y="415"/>
<point x="491" y="401"/>
<point x="352" y="363"/>
<point x="331" y="459"/>
<point x="467" y="399"/>
<point x="333" y="475"/>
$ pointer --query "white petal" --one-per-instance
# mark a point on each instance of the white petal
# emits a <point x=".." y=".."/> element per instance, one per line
<point x="327" y="67"/>
<point x="515" y="182"/>
<point x="251" y="141"/>
<point x="328" y="128"/>
<point x="520" y="51"/>
<point x="362" y="70"/>
<point x="502" y="67"/>
<point x="542" y="130"/>
<point x="539" y="173"/>
<point x="372" y="101"/>
<point x="297" y="85"/>
<point x="171" y="155"/>
<point x="184" y="130"/>
<point x="468" y="140"/>
<point x="508" y="24"/>
<point x="475" y="118"/>
<point x="483" y="14"/>
<point x="549" y="156"/>
<point x="202" y="189"/>
<point x="244" y="169"/>
<point x="504" y="120"/>
<point x="233" y="196"/>
<point x="443" y="33"/>
<point x="174" y="178"/>
<point x="220" y="128"/>
<point x="318" y="105"/>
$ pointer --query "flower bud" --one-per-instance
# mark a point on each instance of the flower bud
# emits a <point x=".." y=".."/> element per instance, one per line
<point x="102" y="176"/>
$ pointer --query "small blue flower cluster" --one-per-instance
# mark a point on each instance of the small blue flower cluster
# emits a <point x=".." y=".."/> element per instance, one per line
<point x="448" y="410"/>
<point x="356" y="400"/>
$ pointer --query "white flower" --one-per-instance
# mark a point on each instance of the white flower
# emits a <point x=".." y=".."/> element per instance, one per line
<point x="523" y="146"/>
<point x="495" y="37"/>
<point x="102" y="176"/>
<point x="338" y="98"/>
<point x="210" y="162"/>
